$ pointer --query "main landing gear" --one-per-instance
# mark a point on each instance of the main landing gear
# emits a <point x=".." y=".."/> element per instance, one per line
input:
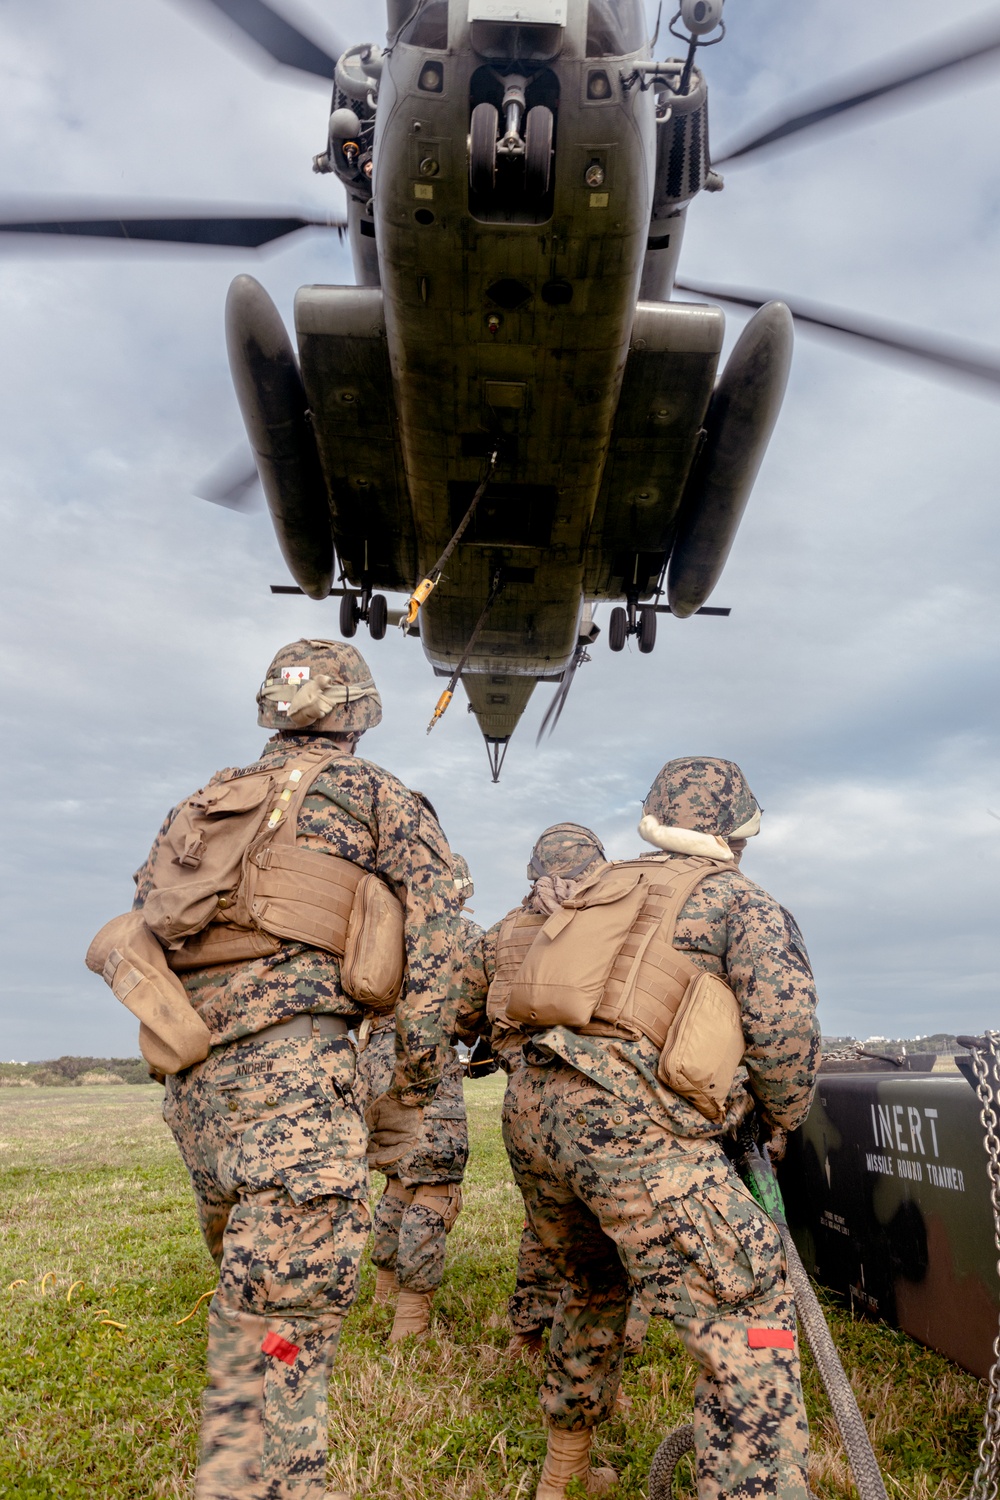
<point x="372" y="608"/>
<point x="638" y="620"/>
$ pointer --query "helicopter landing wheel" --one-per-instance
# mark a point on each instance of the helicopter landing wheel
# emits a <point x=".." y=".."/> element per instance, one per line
<point x="537" y="151"/>
<point x="349" y="616"/>
<point x="617" y="629"/>
<point x="378" y="617"/>
<point x="483" y="148"/>
<point x="646" y="629"/>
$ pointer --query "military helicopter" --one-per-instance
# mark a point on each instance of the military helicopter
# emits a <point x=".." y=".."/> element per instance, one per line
<point x="508" y="419"/>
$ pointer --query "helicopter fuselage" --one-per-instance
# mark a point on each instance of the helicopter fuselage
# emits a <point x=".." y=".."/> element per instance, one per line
<point x="509" y="323"/>
<point x="517" y="177"/>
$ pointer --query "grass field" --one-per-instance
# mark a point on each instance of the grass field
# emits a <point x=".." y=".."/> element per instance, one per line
<point x="99" y="1382"/>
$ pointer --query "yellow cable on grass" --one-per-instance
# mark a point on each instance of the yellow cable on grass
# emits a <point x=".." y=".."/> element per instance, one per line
<point x="41" y="1284"/>
<point x="13" y="1284"/>
<point x="110" y="1323"/>
<point x="194" y="1309"/>
<point x="69" y="1294"/>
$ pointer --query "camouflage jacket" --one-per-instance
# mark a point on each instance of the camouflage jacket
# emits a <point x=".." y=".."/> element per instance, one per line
<point x="474" y="971"/>
<point x="362" y="813"/>
<point x="733" y="928"/>
<point x="468" y="1003"/>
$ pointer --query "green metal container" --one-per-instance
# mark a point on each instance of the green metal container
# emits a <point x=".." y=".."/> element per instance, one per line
<point x="887" y="1196"/>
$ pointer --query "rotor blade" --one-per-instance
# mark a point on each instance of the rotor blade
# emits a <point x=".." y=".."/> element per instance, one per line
<point x="865" y="87"/>
<point x="929" y="349"/>
<point x="233" y="482"/>
<point x="554" y="711"/>
<point x="282" y="41"/>
<point x="245" y="231"/>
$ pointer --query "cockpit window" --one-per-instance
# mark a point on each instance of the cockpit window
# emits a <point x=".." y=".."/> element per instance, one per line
<point x="429" y="27"/>
<point x="615" y="27"/>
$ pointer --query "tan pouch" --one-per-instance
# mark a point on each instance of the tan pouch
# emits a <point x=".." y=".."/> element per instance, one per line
<point x="172" y="1035"/>
<point x="566" y="969"/>
<point x="371" y="970"/>
<point x="201" y="855"/>
<point x="704" y="1046"/>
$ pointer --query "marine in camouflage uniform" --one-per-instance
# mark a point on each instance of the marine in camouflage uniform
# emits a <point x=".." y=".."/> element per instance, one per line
<point x="563" y="855"/>
<point x="268" y="1125"/>
<point x="626" y="1185"/>
<point x="423" y="1193"/>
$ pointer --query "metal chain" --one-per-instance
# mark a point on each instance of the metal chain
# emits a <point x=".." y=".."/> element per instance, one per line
<point x="986" y="1063"/>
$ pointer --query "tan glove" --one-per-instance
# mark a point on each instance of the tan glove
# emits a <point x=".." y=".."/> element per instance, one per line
<point x="394" y="1129"/>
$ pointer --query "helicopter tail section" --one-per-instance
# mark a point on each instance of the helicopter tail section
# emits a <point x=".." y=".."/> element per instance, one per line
<point x="498" y="700"/>
<point x="273" y="403"/>
<point x="741" y="417"/>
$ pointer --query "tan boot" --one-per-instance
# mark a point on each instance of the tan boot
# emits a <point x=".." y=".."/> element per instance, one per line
<point x="568" y="1457"/>
<point x="386" y="1286"/>
<point x="413" y="1315"/>
<point x="525" y="1345"/>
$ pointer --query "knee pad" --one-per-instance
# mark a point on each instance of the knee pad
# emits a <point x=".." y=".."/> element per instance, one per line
<point x="444" y="1198"/>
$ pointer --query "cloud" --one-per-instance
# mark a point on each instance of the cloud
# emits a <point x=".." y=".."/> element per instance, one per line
<point x="855" y="680"/>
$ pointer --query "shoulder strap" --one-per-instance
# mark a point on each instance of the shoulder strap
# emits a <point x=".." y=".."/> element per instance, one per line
<point x="684" y="877"/>
<point x="300" y="773"/>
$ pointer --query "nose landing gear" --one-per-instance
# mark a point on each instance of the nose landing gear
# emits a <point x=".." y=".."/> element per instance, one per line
<point x="511" y="144"/>
<point x="372" y="608"/>
<point x="638" y="620"/>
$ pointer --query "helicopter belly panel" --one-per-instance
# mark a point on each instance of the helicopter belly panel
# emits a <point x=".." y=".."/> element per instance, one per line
<point x="672" y="361"/>
<point x="530" y="630"/>
<point x="345" y="370"/>
<point x="505" y="332"/>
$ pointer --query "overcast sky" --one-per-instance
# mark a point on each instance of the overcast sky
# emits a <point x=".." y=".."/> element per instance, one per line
<point x="855" y="681"/>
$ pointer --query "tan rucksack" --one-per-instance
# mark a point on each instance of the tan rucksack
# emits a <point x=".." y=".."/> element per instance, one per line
<point x="228" y="883"/>
<point x="605" y="964"/>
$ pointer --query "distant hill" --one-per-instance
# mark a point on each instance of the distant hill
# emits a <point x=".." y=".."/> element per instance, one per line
<point x="62" y="1072"/>
<point x="80" y="1072"/>
<point x="940" y="1042"/>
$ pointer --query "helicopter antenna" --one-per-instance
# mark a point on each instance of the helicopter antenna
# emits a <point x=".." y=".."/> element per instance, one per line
<point x="700" y="17"/>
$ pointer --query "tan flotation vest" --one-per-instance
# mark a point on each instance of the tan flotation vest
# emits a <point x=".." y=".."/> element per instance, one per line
<point x="605" y="965"/>
<point x="228" y="882"/>
<point x="518" y="931"/>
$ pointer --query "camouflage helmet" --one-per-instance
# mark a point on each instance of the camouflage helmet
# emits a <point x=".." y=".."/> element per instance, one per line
<point x="566" y="849"/>
<point x="702" y="793"/>
<point x="318" y="685"/>
<point x="463" y="877"/>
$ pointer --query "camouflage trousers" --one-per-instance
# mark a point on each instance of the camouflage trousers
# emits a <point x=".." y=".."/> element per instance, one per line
<point x="538" y="1288"/>
<point x="411" y="1225"/>
<point x="423" y="1197"/>
<point x="274" y="1143"/>
<point x="618" y="1203"/>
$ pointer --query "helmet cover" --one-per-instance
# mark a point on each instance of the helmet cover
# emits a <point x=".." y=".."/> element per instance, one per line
<point x="320" y="686"/>
<point x="566" y="849"/>
<point x="703" y="793"/>
<point x="463" y="877"/>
